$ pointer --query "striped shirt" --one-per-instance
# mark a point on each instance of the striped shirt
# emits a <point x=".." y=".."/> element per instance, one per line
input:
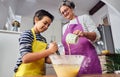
<point x="25" y="43"/>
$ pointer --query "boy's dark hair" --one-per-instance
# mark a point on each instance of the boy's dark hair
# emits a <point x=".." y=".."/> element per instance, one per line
<point x="41" y="13"/>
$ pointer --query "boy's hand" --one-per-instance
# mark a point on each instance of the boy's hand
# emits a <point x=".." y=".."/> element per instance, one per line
<point x="53" y="47"/>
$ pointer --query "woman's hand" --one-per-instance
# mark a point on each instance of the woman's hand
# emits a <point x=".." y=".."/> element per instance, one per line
<point x="89" y="35"/>
<point x="79" y="33"/>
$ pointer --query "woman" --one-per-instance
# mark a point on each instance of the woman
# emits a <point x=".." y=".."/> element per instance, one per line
<point x="84" y="27"/>
<point x="33" y="52"/>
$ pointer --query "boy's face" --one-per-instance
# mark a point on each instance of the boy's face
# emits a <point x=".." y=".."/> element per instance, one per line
<point x="43" y="24"/>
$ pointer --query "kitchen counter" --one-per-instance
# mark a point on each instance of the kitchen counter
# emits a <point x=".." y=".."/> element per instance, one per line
<point x="101" y="75"/>
<point x="89" y="75"/>
<point x="9" y="32"/>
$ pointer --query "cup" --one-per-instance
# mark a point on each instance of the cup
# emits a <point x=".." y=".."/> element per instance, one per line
<point x="71" y="38"/>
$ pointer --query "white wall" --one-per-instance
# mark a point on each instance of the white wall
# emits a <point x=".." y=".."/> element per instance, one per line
<point x="97" y="17"/>
<point x="9" y="53"/>
<point x="4" y="10"/>
<point x="26" y="23"/>
<point x="3" y="15"/>
<point x="113" y="3"/>
<point x="115" y="25"/>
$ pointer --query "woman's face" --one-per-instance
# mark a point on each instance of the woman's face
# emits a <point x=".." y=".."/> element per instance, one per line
<point x="66" y="12"/>
<point x="43" y="24"/>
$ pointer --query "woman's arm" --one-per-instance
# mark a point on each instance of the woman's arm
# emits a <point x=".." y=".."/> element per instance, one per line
<point x="90" y="31"/>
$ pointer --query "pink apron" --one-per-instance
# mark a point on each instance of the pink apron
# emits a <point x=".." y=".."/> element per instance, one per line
<point x="91" y="64"/>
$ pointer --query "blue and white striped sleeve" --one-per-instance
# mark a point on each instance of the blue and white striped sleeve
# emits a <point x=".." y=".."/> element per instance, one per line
<point x="25" y="43"/>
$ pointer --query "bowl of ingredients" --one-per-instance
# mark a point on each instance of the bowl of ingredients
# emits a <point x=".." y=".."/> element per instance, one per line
<point x="66" y="65"/>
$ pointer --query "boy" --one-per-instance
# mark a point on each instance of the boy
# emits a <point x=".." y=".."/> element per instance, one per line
<point x="33" y="47"/>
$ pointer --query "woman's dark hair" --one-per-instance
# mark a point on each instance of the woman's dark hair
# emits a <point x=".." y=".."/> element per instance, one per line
<point x="70" y="4"/>
<point x="41" y="13"/>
